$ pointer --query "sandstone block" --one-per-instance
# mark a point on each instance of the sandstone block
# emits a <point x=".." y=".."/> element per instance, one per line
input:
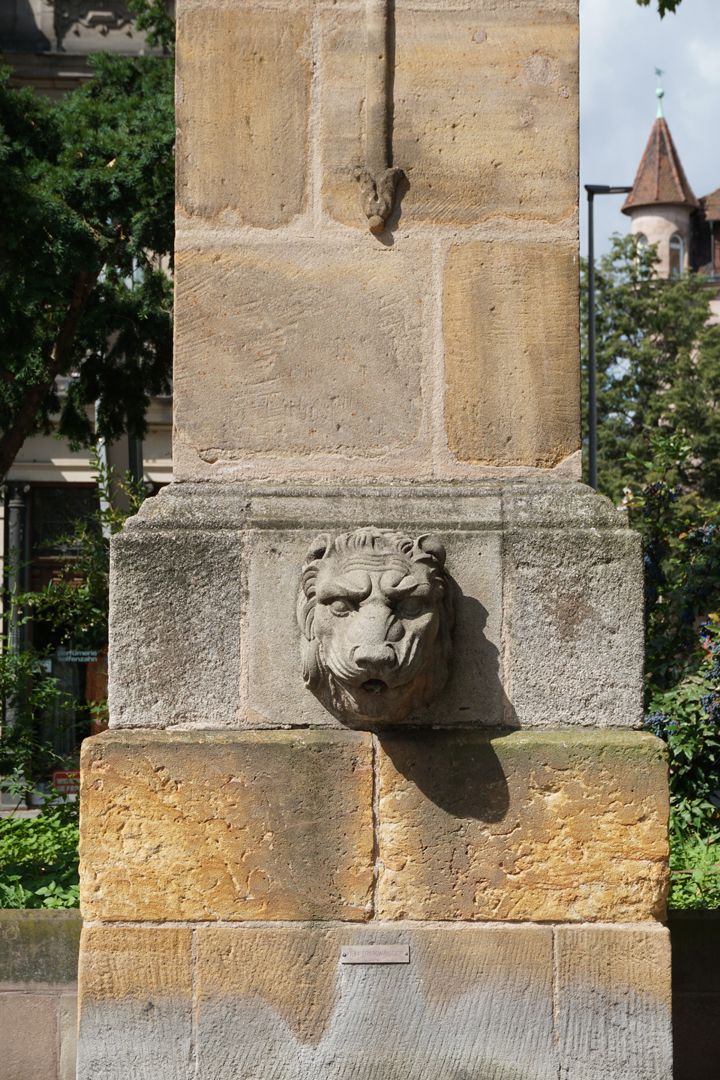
<point x="67" y="1007"/>
<point x="273" y="825"/>
<point x="544" y="826"/>
<point x="511" y="366"/>
<point x="205" y="579"/>
<point x="176" y="607"/>
<point x="135" y="1004"/>
<point x="473" y="693"/>
<point x="242" y="104"/>
<point x="574" y="633"/>
<point x="472" y="1002"/>
<point x="38" y="948"/>
<point x="613" y="1002"/>
<point x="484" y="112"/>
<point x="267" y="382"/>
<point x="28" y="1035"/>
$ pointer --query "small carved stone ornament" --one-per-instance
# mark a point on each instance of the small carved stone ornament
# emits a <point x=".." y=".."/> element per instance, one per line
<point x="375" y="609"/>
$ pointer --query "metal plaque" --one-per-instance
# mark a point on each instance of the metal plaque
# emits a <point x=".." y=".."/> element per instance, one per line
<point x="375" y="954"/>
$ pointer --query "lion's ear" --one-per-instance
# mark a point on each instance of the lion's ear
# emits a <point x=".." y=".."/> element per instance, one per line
<point x="433" y="546"/>
<point x="319" y="547"/>
<point x="312" y="668"/>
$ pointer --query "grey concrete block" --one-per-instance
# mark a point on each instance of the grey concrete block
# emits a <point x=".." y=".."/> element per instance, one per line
<point x="67" y="1036"/>
<point x="142" y="1039"/>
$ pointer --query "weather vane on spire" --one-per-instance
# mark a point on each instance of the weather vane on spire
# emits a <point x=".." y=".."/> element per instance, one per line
<point x="659" y="93"/>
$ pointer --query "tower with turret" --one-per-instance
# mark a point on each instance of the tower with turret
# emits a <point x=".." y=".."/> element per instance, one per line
<point x="662" y="203"/>
<point x="664" y="210"/>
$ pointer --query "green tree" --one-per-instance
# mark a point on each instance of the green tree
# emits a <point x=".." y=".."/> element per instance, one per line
<point x="87" y="205"/>
<point x="659" y="454"/>
<point x="658" y="362"/>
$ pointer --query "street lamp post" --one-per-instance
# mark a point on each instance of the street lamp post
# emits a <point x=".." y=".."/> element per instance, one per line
<point x="592" y="191"/>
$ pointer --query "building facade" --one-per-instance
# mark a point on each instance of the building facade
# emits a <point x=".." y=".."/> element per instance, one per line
<point x="664" y="210"/>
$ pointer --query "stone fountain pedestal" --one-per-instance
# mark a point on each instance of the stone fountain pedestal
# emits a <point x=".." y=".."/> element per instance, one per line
<point x="274" y="886"/>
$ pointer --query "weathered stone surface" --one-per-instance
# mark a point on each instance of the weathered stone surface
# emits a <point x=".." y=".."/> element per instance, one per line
<point x="472" y="1002"/>
<point x="376" y="613"/>
<point x="38" y="947"/>
<point x="260" y="825"/>
<point x="269" y="381"/>
<point x="497" y="1002"/>
<point x="511" y="367"/>
<point x="547" y="826"/>
<point x="242" y="104"/>
<point x="484" y="112"/>
<point x="613" y="1002"/>
<point x="135" y="1004"/>
<point x="67" y="1014"/>
<point x="204" y="631"/>
<point x="573" y="627"/>
<point x="276" y="695"/>
<point x="176" y="605"/>
<point x="28" y="1020"/>
<point x="547" y="504"/>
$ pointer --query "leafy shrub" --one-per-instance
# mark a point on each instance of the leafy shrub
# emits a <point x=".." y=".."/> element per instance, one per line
<point x="32" y="694"/>
<point x="695" y="872"/>
<point x="39" y="859"/>
<point x="681" y="542"/>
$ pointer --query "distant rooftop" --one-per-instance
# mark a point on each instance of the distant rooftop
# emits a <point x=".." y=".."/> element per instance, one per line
<point x="711" y="205"/>
<point x="661" y="178"/>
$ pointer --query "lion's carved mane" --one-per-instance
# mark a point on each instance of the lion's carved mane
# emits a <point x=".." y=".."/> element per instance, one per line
<point x="376" y="613"/>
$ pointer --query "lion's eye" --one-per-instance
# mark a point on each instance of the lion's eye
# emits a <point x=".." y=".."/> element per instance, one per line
<point x="410" y="607"/>
<point x="341" y="606"/>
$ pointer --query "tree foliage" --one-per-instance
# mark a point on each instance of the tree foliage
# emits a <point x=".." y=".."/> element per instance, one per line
<point x="73" y="606"/>
<point x="658" y="359"/>
<point x="658" y="363"/>
<point x="87" y="205"/>
<point x="39" y="859"/>
<point x="663" y="6"/>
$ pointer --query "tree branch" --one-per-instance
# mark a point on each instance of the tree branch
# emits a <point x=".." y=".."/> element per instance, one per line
<point x="24" y="422"/>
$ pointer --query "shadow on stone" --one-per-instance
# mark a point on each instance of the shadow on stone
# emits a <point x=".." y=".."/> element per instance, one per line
<point x="386" y="236"/>
<point x="458" y="771"/>
<point x="474" y="693"/>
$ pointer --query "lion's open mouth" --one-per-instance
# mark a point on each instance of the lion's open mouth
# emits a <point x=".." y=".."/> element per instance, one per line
<point x="374" y="686"/>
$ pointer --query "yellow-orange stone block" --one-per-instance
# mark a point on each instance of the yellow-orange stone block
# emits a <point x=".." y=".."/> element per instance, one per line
<point x="122" y="963"/>
<point x="544" y="826"/>
<point x="510" y="320"/>
<point x="242" y="108"/>
<point x="297" y="356"/>
<point x="484" y="112"/>
<point x="260" y="825"/>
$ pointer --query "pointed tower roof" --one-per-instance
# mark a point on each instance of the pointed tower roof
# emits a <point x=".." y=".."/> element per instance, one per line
<point x="660" y="177"/>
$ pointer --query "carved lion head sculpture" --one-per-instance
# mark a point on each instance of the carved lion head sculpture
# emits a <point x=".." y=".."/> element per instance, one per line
<point x="375" y="609"/>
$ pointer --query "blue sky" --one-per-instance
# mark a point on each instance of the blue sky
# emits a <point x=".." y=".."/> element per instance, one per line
<point x="620" y="46"/>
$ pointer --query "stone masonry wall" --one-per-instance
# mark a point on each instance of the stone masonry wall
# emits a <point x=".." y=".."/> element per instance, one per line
<point x="239" y="836"/>
<point x="38" y="994"/>
<point x="304" y="345"/>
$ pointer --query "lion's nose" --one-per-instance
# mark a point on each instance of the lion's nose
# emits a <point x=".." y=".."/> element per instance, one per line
<point x="373" y="655"/>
